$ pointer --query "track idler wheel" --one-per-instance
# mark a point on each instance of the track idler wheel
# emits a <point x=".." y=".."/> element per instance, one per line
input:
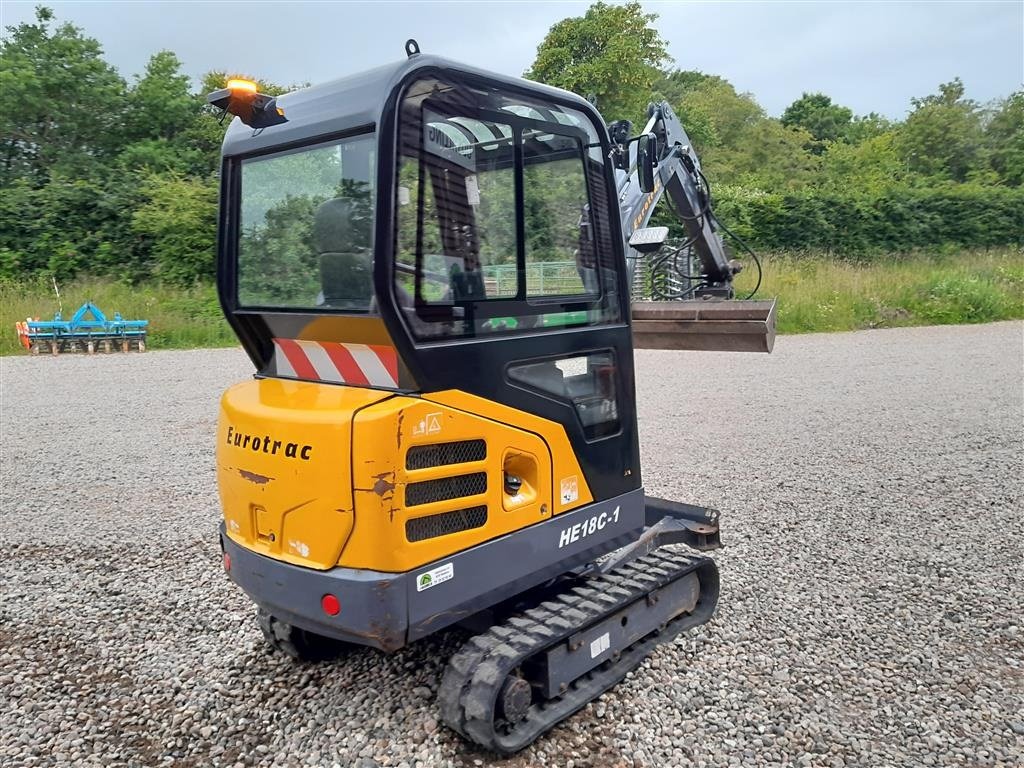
<point x="300" y="644"/>
<point x="515" y="699"/>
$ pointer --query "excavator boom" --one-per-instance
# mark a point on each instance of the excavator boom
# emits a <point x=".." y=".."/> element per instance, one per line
<point x="683" y="296"/>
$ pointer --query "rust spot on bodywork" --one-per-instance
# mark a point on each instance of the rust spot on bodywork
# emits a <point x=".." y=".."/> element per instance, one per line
<point x="387" y="630"/>
<point x="252" y="477"/>
<point x="384" y="485"/>
<point x="443" y="619"/>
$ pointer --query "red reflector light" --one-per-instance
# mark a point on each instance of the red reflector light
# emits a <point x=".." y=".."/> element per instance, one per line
<point x="227" y="562"/>
<point x="330" y="605"/>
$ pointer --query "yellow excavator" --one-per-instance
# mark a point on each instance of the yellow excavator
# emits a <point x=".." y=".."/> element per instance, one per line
<point x="440" y="275"/>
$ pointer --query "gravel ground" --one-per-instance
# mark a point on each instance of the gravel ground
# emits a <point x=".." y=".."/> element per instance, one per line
<point x="871" y="488"/>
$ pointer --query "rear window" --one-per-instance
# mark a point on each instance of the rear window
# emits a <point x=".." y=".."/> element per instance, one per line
<point x="305" y="236"/>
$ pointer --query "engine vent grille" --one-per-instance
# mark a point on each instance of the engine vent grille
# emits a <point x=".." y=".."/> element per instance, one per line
<point x="432" y="526"/>
<point x="445" y="488"/>
<point x="442" y="454"/>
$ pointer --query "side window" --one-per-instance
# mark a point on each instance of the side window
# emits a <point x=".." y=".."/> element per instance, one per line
<point x="559" y="254"/>
<point x="587" y="381"/>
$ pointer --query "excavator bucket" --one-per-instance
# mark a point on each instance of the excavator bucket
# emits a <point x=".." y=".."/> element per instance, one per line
<point x="705" y="325"/>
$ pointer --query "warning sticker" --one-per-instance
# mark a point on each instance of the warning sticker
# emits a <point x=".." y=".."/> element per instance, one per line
<point x="434" y="576"/>
<point x="600" y="645"/>
<point x="428" y="425"/>
<point x="570" y="489"/>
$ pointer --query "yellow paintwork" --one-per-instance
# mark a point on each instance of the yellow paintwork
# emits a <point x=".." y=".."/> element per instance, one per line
<point x="383" y="433"/>
<point x="294" y="509"/>
<point x="565" y="467"/>
<point x="345" y="503"/>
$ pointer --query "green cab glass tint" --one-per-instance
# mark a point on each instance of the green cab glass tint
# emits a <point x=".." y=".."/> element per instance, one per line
<point x="305" y="237"/>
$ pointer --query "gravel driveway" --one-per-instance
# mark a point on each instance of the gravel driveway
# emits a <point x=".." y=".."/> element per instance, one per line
<point x="871" y="489"/>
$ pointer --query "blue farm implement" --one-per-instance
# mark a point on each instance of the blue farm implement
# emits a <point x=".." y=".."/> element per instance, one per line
<point x="86" y="331"/>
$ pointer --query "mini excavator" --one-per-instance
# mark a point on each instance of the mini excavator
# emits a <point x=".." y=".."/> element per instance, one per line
<point x="440" y="275"/>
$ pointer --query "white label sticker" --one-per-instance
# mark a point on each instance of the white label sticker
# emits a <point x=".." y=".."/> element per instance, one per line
<point x="472" y="190"/>
<point x="600" y="645"/>
<point x="570" y="489"/>
<point x="428" y="425"/>
<point x="434" y="577"/>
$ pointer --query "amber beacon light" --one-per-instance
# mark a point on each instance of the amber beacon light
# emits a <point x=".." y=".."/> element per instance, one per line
<point x="242" y="98"/>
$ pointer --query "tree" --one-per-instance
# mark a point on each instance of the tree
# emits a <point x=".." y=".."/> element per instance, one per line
<point x="713" y="113"/>
<point x="612" y="53"/>
<point x="60" y="227"/>
<point x="737" y="142"/>
<point x="179" y="218"/>
<point x="869" y="126"/>
<point x="768" y="156"/>
<point x="872" y="165"/>
<point x="942" y="138"/>
<point x="816" y="114"/>
<point x="1004" y="135"/>
<point x="60" y="102"/>
<point x="160" y="103"/>
<point x="161" y="110"/>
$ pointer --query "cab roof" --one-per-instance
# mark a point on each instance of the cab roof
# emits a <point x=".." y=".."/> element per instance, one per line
<point x="358" y="101"/>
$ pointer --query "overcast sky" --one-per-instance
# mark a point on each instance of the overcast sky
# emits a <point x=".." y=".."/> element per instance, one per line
<point x="870" y="56"/>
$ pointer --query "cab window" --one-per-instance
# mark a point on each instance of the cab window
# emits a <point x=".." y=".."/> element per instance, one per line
<point x="498" y="214"/>
<point x="305" y="236"/>
<point x="555" y="217"/>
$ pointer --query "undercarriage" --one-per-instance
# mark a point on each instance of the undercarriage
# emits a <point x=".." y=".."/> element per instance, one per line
<point x="540" y="655"/>
<point x="517" y="680"/>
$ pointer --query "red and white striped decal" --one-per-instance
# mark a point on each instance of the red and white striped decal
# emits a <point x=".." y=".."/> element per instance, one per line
<point x="365" y="365"/>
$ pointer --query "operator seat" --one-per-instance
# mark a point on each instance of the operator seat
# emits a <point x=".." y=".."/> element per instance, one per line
<point x="343" y="240"/>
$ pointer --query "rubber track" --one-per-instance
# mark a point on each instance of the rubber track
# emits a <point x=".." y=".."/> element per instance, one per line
<point x="476" y="672"/>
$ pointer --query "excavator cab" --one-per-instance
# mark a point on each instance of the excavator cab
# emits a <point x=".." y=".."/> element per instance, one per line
<point x="462" y="209"/>
<point x="427" y="267"/>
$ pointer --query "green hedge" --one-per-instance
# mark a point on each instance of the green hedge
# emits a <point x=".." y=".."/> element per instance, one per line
<point x="894" y="221"/>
